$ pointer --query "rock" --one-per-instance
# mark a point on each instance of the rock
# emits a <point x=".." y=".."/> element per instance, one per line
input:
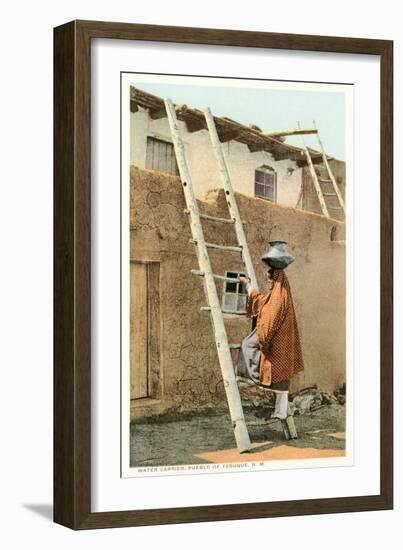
<point x="328" y="399"/>
<point x="318" y="399"/>
<point x="303" y="403"/>
<point x="341" y="399"/>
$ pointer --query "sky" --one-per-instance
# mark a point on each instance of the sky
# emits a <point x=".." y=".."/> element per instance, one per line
<point x="270" y="109"/>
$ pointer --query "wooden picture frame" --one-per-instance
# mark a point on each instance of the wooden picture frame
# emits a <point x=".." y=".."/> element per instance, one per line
<point x="72" y="271"/>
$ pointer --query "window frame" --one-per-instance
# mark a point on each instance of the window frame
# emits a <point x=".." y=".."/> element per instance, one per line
<point x="154" y="138"/>
<point x="266" y="170"/>
<point x="225" y="309"/>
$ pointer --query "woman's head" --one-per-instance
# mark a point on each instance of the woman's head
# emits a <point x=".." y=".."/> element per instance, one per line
<point x="275" y="275"/>
<point x="270" y="273"/>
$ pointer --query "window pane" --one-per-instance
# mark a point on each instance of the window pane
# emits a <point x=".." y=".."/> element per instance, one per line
<point x="269" y="192"/>
<point x="230" y="301"/>
<point x="259" y="190"/>
<point x="242" y="289"/>
<point x="241" y="303"/>
<point x="259" y="176"/>
<point x="230" y="287"/>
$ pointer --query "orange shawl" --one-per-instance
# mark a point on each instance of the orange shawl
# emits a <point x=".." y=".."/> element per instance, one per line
<point x="277" y="331"/>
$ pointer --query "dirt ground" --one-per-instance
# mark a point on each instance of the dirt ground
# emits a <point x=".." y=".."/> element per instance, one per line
<point x="208" y="438"/>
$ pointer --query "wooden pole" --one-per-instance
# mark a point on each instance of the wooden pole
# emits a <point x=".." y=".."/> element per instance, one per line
<point x="329" y="171"/>
<point x="290" y="132"/>
<point x="230" y="197"/>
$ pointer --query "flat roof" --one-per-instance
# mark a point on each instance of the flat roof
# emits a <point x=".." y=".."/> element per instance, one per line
<point x="227" y="128"/>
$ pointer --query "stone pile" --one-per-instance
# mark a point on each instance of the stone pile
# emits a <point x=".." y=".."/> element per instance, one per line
<point x="302" y="402"/>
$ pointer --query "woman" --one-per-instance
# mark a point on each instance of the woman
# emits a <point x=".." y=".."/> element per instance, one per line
<point x="276" y="336"/>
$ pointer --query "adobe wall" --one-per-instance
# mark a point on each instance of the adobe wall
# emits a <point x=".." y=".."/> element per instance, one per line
<point x="160" y="231"/>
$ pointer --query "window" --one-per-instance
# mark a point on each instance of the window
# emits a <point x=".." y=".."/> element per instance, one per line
<point x="161" y="156"/>
<point x="266" y="183"/>
<point x="235" y="294"/>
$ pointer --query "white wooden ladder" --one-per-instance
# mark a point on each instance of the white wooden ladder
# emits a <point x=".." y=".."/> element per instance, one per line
<point x="326" y="188"/>
<point x="206" y="272"/>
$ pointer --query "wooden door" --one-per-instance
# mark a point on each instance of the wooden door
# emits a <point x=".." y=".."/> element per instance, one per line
<point x="144" y="330"/>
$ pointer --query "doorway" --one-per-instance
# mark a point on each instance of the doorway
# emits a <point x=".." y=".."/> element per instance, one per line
<point x="145" y="371"/>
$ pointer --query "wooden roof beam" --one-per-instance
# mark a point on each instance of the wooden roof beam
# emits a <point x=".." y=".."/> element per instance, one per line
<point x="156" y="114"/>
<point x="254" y="147"/>
<point x="193" y="118"/>
<point x="291" y="132"/>
<point x="303" y="162"/>
<point x="225" y="135"/>
<point x="291" y="156"/>
<point x="146" y="100"/>
<point x="194" y="125"/>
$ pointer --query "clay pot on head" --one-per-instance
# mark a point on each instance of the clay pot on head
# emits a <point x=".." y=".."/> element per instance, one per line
<point x="278" y="256"/>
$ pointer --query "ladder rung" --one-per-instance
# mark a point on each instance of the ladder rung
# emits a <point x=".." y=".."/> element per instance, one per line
<point x="223" y="247"/>
<point x="208" y="308"/>
<point x="324" y="180"/>
<point x="221" y="277"/>
<point x="329" y="195"/>
<point x="219" y="246"/>
<point x="335" y="207"/>
<point x="214" y="219"/>
<point x="234" y="346"/>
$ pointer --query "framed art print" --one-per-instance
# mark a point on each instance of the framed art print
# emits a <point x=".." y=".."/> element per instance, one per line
<point x="223" y="275"/>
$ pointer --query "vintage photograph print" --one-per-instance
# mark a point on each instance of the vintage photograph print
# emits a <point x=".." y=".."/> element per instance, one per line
<point x="235" y="264"/>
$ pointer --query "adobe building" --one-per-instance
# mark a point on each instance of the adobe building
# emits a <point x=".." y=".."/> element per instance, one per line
<point x="260" y="165"/>
<point x="174" y="364"/>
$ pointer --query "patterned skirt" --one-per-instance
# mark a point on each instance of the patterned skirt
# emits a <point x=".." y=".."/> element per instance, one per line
<point x="247" y="365"/>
